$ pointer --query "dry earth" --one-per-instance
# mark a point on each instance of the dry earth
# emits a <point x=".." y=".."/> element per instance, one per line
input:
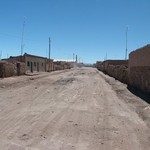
<point x="77" y="109"/>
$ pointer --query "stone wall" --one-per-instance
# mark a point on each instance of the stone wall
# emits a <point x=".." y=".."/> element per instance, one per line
<point x="139" y="68"/>
<point x="98" y="65"/>
<point x="61" y="65"/>
<point x="11" y="69"/>
<point x="115" y="68"/>
<point x="119" y="72"/>
<point x="114" y="63"/>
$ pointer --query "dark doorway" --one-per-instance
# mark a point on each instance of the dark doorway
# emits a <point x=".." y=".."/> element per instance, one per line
<point x="38" y="66"/>
<point x="18" y="69"/>
<point x="31" y="66"/>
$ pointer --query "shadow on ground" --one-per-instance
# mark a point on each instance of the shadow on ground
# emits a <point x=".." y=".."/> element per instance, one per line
<point x="137" y="92"/>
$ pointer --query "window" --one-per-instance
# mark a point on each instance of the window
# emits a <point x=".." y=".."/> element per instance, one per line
<point x="28" y="63"/>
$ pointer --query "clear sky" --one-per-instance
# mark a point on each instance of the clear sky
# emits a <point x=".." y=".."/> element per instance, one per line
<point x="89" y="28"/>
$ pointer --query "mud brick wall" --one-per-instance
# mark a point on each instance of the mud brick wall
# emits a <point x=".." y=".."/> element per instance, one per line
<point x="1" y="69"/>
<point x="57" y="67"/>
<point x="115" y="68"/>
<point x="115" y="63"/>
<point x="98" y="65"/>
<point x="61" y="65"/>
<point x="67" y="65"/>
<point x="35" y="63"/>
<point x="119" y="72"/>
<point x="9" y="69"/>
<point x="139" y="68"/>
<point x="49" y="65"/>
<point x="22" y="68"/>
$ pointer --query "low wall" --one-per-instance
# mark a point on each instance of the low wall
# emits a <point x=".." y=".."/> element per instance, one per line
<point x="61" y="65"/>
<point x="9" y="69"/>
<point x="115" y="68"/>
<point x="98" y="65"/>
<point x="114" y="63"/>
<point x="119" y="72"/>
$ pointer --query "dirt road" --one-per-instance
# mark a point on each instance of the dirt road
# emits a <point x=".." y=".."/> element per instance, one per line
<point x="77" y="109"/>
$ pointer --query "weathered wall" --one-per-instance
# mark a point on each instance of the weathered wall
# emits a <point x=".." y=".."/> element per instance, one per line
<point x="98" y="65"/>
<point x="9" y="69"/>
<point x="140" y="57"/>
<point x="119" y="72"/>
<point x="61" y="65"/>
<point x="49" y="65"/>
<point x="22" y="69"/>
<point x="115" y="68"/>
<point x="1" y="69"/>
<point x="35" y="63"/>
<point x="139" y="68"/>
<point x="114" y="63"/>
<point x="136" y="72"/>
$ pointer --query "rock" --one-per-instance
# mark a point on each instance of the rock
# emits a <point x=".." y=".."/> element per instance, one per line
<point x="147" y="108"/>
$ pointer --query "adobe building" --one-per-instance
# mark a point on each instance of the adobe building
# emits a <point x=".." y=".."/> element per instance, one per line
<point x="33" y="63"/>
<point x="37" y="63"/>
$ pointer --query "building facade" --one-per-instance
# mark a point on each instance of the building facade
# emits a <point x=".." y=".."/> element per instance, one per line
<point x="33" y="63"/>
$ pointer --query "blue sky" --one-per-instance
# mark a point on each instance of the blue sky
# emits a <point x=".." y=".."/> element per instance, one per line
<point x="89" y="28"/>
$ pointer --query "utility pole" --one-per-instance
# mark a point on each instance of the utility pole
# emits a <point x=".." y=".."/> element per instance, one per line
<point x="126" y="43"/>
<point x="22" y="45"/>
<point x="49" y="52"/>
<point x="0" y="55"/>
<point x="73" y="57"/>
<point x="105" y="58"/>
<point x="76" y="59"/>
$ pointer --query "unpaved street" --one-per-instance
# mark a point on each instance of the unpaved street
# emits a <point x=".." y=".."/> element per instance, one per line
<point x="77" y="109"/>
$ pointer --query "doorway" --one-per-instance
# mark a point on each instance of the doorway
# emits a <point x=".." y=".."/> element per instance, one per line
<point x="38" y="66"/>
<point x="31" y="66"/>
<point x="18" y="69"/>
